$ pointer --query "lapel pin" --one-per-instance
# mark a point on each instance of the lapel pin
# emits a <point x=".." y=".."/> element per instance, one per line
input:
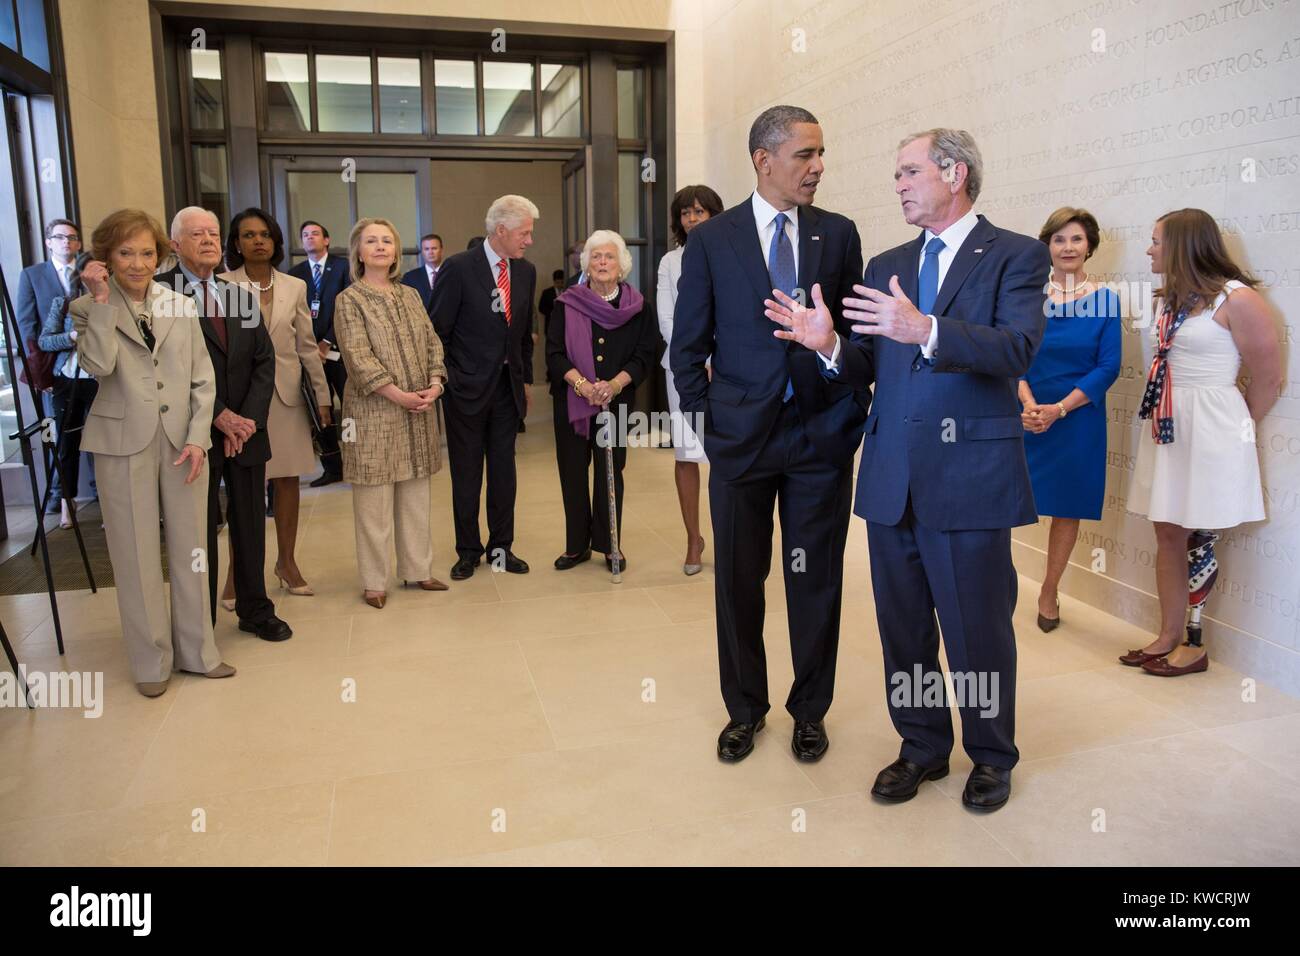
<point x="815" y="238"/>
<point x="979" y="250"/>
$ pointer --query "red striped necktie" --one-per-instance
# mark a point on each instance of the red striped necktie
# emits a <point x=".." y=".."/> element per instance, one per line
<point x="503" y="284"/>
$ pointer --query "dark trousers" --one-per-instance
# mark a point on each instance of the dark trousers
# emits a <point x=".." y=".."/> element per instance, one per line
<point x="70" y="403"/>
<point x="336" y="377"/>
<point x="812" y="498"/>
<point x="246" y="523"/>
<point x="968" y="578"/>
<point x="488" y="435"/>
<point x="583" y="500"/>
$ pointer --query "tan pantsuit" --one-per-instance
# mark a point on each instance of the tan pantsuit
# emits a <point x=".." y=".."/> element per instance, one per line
<point x="130" y="487"/>
<point x="388" y="453"/>
<point x="150" y="405"/>
<point x="382" y="512"/>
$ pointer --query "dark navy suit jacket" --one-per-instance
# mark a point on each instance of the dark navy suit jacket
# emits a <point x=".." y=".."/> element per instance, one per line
<point x="333" y="280"/>
<point x="949" y="434"/>
<point x="418" y="279"/>
<point x="476" y="340"/>
<point x="719" y="314"/>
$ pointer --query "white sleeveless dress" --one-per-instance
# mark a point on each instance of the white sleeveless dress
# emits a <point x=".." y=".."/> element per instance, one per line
<point x="1208" y="477"/>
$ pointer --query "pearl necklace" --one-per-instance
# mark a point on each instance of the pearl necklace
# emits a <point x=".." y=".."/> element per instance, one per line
<point x="611" y="297"/>
<point x="266" y="288"/>
<point x="1078" y="286"/>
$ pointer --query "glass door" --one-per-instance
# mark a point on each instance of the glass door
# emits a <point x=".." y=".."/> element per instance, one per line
<point x="336" y="191"/>
<point x="576" y="193"/>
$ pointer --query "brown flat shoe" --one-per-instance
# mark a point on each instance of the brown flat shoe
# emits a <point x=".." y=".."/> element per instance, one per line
<point x="378" y="601"/>
<point x="1162" y="668"/>
<point x="151" y="688"/>
<point x="1138" y="658"/>
<point x="221" y="670"/>
<point x="433" y="584"/>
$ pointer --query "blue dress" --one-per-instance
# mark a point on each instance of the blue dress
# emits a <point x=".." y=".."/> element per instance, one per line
<point x="1080" y="349"/>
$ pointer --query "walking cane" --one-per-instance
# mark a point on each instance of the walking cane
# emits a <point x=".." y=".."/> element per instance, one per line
<point x="1202" y="570"/>
<point x="615" y="555"/>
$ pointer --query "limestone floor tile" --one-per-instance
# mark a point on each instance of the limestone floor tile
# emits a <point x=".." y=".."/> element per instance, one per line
<point x="691" y="601"/>
<point x="427" y="816"/>
<point x="56" y="761"/>
<point x="281" y="725"/>
<point x="619" y="676"/>
<point x="287" y="826"/>
<point x="1084" y="711"/>
<point x="1187" y="800"/>
<point x="398" y="631"/>
<point x="583" y="852"/>
<point x="1214" y="698"/>
<point x="1273" y="741"/>
<point x="312" y="638"/>
<point x="849" y="830"/>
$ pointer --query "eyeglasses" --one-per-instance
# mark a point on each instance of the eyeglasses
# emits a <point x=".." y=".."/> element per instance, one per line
<point x="65" y="237"/>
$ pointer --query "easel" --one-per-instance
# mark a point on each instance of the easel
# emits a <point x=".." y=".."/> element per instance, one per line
<point x="24" y="435"/>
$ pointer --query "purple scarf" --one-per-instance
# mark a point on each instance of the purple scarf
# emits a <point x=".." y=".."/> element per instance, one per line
<point x="581" y="303"/>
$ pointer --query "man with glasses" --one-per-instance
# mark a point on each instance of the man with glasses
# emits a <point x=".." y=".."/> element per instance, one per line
<point x="38" y="287"/>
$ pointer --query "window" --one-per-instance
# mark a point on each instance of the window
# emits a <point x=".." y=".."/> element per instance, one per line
<point x="455" y="96"/>
<point x="399" y="96"/>
<point x="343" y="87"/>
<point x="561" y="86"/>
<point x="207" y="97"/>
<point x="631" y="103"/>
<point x="212" y="181"/>
<point x="31" y="27"/>
<point x="508" y="99"/>
<point x="288" y="97"/>
<point x="629" y="195"/>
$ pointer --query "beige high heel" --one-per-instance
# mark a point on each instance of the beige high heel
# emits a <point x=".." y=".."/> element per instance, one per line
<point x="302" y="590"/>
<point x="693" y="569"/>
<point x="228" y="604"/>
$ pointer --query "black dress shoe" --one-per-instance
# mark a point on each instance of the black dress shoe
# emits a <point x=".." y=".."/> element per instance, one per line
<point x="622" y="563"/>
<point x="515" y="565"/>
<point x="987" y="788"/>
<point x="269" y="629"/>
<point x="566" y="561"/>
<point x="902" y="778"/>
<point x="463" y="568"/>
<point x="810" y="740"/>
<point x="328" y="478"/>
<point x="737" y="740"/>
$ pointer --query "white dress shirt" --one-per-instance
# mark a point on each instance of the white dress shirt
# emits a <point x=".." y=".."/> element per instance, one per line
<point x="953" y="238"/>
<point x="432" y="274"/>
<point x="70" y="365"/>
<point x="765" y="221"/>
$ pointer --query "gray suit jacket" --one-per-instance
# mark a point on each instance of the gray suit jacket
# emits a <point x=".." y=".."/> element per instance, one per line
<point x="175" y="382"/>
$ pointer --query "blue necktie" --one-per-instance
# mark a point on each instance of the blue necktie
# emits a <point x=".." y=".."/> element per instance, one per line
<point x="780" y="269"/>
<point x="927" y="289"/>
<point x="315" y="281"/>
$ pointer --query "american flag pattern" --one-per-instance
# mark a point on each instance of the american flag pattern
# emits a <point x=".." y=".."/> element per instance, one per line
<point x="1158" y="399"/>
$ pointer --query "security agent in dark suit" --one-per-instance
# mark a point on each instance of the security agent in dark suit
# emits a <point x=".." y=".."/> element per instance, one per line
<point x="424" y="276"/>
<point x="326" y="276"/>
<point x="243" y="360"/>
<point x="482" y="310"/>
<point x="944" y="326"/>
<point x="38" y="287"/>
<point x="776" y="432"/>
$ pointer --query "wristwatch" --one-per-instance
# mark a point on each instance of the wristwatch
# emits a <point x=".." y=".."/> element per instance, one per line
<point x="1061" y="406"/>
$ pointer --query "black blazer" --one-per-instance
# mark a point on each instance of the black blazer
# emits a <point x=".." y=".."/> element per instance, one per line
<point x="630" y="348"/>
<point x="719" y="313"/>
<point x="333" y="280"/>
<point x="418" y="279"/>
<point x="244" y="372"/>
<point x="476" y="339"/>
